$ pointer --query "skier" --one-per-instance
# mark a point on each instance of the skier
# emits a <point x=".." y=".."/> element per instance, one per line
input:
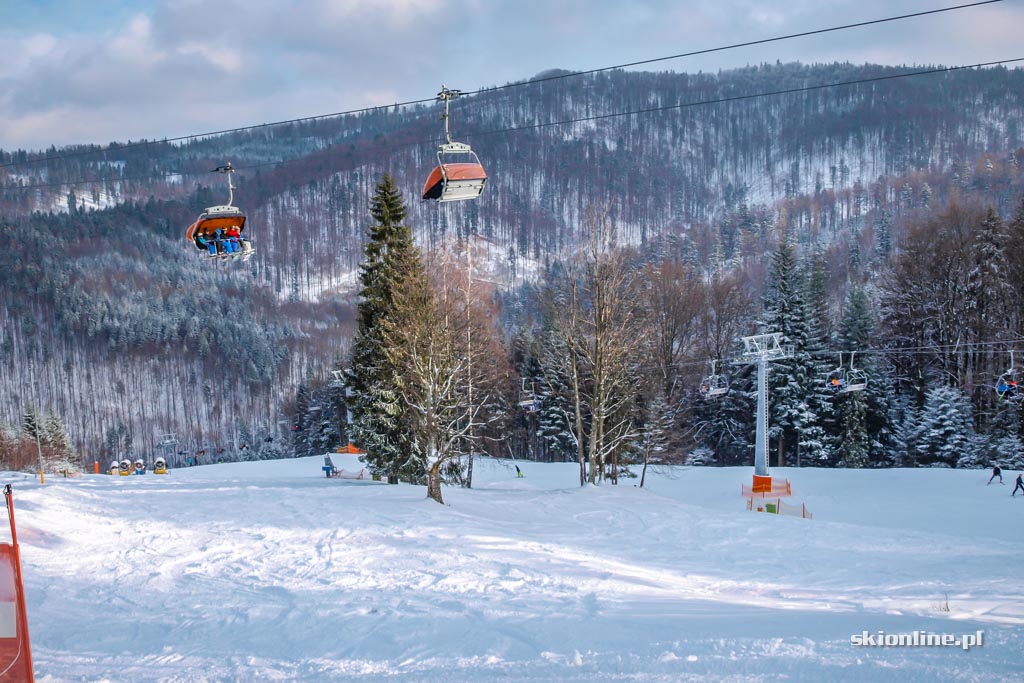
<point x="996" y="472"/>
<point x="519" y="472"/>
<point x="1020" y="485"/>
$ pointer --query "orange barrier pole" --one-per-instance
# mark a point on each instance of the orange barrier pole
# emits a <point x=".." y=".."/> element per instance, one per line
<point x="23" y="611"/>
<point x="96" y="466"/>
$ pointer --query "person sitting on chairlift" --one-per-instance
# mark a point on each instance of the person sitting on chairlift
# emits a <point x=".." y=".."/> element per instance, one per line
<point x="232" y="240"/>
<point x="202" y="241"/>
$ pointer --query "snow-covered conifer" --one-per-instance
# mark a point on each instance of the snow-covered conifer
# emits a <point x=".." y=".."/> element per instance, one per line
<point x="371" y="379"/>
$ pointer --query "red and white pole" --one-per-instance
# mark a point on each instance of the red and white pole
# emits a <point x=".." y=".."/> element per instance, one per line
<point x="24" y="670"/>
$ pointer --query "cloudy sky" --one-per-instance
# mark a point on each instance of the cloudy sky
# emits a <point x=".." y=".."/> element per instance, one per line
<point x="77" y="71"/>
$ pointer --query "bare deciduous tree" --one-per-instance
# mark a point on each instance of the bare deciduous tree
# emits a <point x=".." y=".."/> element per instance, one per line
<point x="596" y="315"/>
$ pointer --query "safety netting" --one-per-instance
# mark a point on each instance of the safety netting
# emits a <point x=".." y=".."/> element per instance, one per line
<point x="777" y="507"/>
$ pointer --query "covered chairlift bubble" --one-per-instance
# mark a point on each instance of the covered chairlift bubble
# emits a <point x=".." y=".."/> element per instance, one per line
<point x="209" y="232"/>
<point x="714" y="385"/>
<point x="454" y="181"/>
<point x="1007" y="386"/>
<point x="844" y="380"/>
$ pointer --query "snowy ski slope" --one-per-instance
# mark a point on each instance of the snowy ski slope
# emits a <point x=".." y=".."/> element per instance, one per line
<point x="270" y="572"/>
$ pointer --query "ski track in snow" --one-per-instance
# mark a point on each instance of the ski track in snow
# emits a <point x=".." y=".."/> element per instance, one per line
<point x="270" y="572"/>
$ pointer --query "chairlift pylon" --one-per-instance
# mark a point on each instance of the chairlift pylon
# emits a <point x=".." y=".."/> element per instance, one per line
<point x="454" y="181"/>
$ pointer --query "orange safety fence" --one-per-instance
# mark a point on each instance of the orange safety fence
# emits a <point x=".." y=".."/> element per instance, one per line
<point x="780" y="487"/>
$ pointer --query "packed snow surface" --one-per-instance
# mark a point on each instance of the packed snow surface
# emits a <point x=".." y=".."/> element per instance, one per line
<point x="270" y="572"/>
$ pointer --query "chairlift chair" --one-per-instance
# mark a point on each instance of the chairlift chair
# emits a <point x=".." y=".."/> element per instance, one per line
<point x="843" y="380"/>
<point x="221" y="218"/>
<point x="714" y="385"/>
<point x="1007" y="386"/>
<point x="856" y="380"/>
<point x="452" y="181"/>
<point x="528" y="400"/>
<point x="836" y="381"/>
<point x="1008" y="389"/>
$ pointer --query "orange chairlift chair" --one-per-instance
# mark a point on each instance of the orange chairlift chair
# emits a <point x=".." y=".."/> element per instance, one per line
<point x="224" y="217"/>
<point x="454" y="181"/>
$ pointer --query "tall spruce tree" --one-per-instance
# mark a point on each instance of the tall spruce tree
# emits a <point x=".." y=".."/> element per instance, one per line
<point x="377" y="426"/>
<point x="862" y="415"/>
<point x="852" y="444"/>
<point x="819" y="338"/>
<point x="555" y="410"/>
<point x="946" y="428"/>
<point x="1015" y="259"/>
<point x="58" y="448"/>
<point x="992" y="313"/>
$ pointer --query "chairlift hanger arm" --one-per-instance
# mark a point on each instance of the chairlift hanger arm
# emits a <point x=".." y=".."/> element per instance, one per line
<point x="447" y="95"/>
<point x="227" y="169"/>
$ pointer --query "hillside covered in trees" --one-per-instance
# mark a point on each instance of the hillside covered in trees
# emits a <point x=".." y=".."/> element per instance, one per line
<point x="607" y="263"/>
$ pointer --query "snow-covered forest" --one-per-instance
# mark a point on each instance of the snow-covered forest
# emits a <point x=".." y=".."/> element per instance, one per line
<point x="606" y="265"/>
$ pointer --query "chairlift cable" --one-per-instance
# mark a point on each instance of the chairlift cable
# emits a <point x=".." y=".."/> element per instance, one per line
<point x="913" y="350"/>
<point x="684" y="105"/>
<point x="733" y="46"/>
<point x="751" y="96"/>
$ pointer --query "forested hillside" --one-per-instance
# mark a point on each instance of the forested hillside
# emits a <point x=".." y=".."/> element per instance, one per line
<point x="882" y="217"/>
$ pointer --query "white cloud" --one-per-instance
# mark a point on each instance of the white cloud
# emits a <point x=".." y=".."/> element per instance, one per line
<point x="150" y="74"/>
<point x="229" y="60"/>
<point x="18" y="54"/>
<point x="135" y="43"/>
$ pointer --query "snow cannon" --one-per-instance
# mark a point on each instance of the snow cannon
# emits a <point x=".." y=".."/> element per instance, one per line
<point x="160" y="466"/>
<point x="140" y="467"/>
<point x="113" y="468"/>
<point x="124" y="468"/>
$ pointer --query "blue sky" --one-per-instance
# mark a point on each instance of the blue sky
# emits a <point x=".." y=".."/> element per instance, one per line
<point x="75" y="72"/>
